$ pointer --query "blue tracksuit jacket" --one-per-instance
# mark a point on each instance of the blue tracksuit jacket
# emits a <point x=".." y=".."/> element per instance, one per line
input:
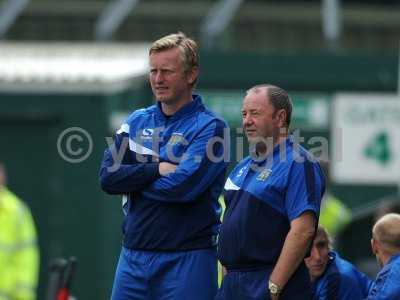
<point x="341" y="281"/>
<point x="179" y="211"/>
<point x="387" y="283"/>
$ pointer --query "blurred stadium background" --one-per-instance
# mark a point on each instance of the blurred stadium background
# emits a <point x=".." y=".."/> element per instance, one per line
<point x="70" y="63"/>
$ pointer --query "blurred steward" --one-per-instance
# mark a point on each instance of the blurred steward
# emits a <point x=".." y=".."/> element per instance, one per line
<point x="334" y="215"/>
<point x="19" y="253"/>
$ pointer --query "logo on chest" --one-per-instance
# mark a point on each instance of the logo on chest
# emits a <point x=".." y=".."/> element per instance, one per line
<point x="176" y="138"/>
<point x="147" y="134"/>
<point x="264" y="174"/>
<point x="241" y="171"/>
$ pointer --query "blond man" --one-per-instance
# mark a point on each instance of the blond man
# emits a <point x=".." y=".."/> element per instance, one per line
<point x="169" y="167"/>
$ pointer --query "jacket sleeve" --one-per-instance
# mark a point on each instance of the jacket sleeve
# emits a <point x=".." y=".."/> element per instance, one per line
<point x="121" y="171"/>
<point x="386" y="285"/>
<point x="305" y="187"/>
<point x="203" y="161"/>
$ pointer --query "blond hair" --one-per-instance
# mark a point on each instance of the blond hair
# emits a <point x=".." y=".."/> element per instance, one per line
<point x="187" y="47"/>
<point x="387" y="231"/>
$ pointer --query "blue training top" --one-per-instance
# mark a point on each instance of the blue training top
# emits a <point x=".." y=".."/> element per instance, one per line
<point x="179" y="211"/>
<point x="387" y="283"/>
<point x="262" y="199"/>
<point x="341" y="281"/>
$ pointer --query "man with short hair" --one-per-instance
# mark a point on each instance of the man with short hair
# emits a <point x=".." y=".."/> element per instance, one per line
<point x="273" y="199"/>
<point x="385" y="245"/>
<point x="333" y="277"/>
<point x="168" y="163"/>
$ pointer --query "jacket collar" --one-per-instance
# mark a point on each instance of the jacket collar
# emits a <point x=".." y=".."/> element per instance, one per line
<point x="188" y="109"/>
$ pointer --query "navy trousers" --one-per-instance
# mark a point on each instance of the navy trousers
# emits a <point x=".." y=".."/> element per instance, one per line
<point x="253" y="285"/>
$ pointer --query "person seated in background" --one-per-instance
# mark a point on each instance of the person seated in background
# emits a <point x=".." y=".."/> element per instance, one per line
<point x="385" y="245"/>
<point x="333" y="277"/>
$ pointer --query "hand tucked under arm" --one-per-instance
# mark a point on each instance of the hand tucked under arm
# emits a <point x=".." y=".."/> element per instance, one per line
<point x="197" y="170"/>
<point x="164" y="168"/>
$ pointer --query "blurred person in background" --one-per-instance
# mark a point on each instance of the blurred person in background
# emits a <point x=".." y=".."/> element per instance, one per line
<point x="19" y="253"/>
<point x="333" y="277"/>
<point x="335" y="215"/>
<point x="389" y="204"/>
<point x="169" y="182"/>
<point x="385" y="244"/>
<point x="272" y="206"/>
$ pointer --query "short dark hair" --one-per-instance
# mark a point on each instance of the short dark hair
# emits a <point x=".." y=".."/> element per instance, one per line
<point x="278" y="97"/>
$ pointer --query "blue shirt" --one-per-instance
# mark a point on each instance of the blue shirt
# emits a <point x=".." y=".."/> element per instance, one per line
<point x="262" y="198"/>
<point x="179" y="211"/>
<point x="387" y="283"/>
<point x="341" y="281"/>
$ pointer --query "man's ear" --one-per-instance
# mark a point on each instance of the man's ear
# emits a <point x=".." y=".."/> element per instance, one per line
<point x="374" y="246"/>
<point x="281" y="117"/>
<point x="192" y="75"/>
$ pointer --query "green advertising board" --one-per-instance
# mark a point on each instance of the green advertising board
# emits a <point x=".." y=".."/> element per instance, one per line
<point x="311" y="110"/>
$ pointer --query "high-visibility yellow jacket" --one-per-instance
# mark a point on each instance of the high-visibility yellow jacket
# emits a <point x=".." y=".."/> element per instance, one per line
<point x="334" y="215"/>
<point x="19" y="254"/>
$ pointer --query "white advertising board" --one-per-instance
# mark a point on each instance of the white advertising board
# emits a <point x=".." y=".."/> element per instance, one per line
<point x="366" y="139"/>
